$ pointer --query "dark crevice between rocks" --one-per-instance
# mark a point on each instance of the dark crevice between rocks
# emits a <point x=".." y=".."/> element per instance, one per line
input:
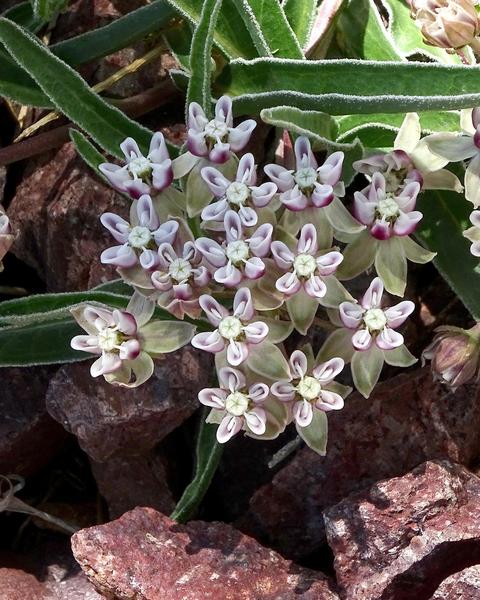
<point x="426" y="575"/>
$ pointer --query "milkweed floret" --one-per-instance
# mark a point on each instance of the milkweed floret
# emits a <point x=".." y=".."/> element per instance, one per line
<point x="473" y="233"/>
<point x="141" y="174"/>
<point x="240" y="406"/>
<point x="6" y="236"/>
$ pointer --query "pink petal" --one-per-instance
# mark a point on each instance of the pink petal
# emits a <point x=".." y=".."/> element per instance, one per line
<point x="215" y="180"/>
<point x="283" y="390"/>
<point x="261" y="240"/>
<point x="210" y="341"/>
<point x="233" y="226"/>
<point x="149" y="260"/>
<point x="196" y="143"/>
<point x="212" y="251"/>
<point x="294" y="199"/>
<point x="363" y="210"/>
<point x="118" y="227"/>
<point x="255" y="332"/>
<point x="303" y="153"/>
<point x="214" y="397"/>
<point x="237" y="353"/>
<point x="117" y="176"/>
<point x="166" y="255"/>
<point x="381" y="230"/>
<point x="362" y="340"/>
<point x="196" y="117"/>
<point x="86" y="343"/>
<point x="303" y="413"/>
<point x="147" y="217"/>
<point x="327" y="371"/>
<point x="407" y="198"/>
<point x="256" y="420"/>
<point x="315" y="287"/>
<point x="120" y="256"/>
<point x="282" y="254"/>
<point x="162" y="175"/>
<point x="258" y="392"/>
<point x="373" y="296"/>
<point x="262" y="194"/>
<point x="136" y="188"/>
<point x="215" y="211"/>
<point x="248" y="216"/>
<point x="201" y="276"/>
<point x="239" y="136"/>
<point x="220" y="153"/>
<point x="246" y="172"/>
<point x="396" y="315"/>
<point x="389" y="339"/>
<point x="406" y="223"/>
<point x="161" y="281"/>
<point x="125" y="322"/>
<point x="329" y="401"/>
<point x="223" y="110"/>
<point x="328" y="263"/>
<point x="243" y="305"/>
<point x="351" y="314"/>
<point x="231" y="379"/>
<point x="107" y="363"/>
<point x="215" y="312"/>
<point x="99" y="317"/>
<point x="158" y="152"/>
<point x="229" y="427"/>
<point x="322" y="195"/>
<point x="331" y="170"/>
<point x="254" y="268"/>
<point x="280" y="176"/>
<point x="288" y="284"/>
<point x="130" y="149"/>
<point x="166" y="233"/>
<point x="229" y="275"/>
<point x="129" y="350"/>
<point x="298" y="364"/>
<point x="307" y="243"/>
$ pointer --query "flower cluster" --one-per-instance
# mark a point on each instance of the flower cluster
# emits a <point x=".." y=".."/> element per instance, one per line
<point x="6" y="235"/>
<point x="226" y="261"/>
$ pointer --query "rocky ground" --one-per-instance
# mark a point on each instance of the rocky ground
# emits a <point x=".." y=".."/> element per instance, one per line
<point x="391" y="513"/>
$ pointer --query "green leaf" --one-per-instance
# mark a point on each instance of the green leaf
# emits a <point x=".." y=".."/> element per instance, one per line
<point x="399" y="357"/>
<point x="366" y="368"/>
<point x="445" y="217"/>
<point x="230" y="35"/>
<point x="348" y="86"/>
<point x="22" y="14"/>
<point x="270" y="30"/>
<point x="275" y="368"/>
<point x="358" y="256"/>
<point x="301" y="16"/>
<point x="16" y="85"/>
<point x="200" y="56"/>
<point x="391" y="265"/>
<point x="48" y="9"/>
<point x="302" y="309"/>
<point x="179" y="40"/>
<point x="338" y="343"/>
<point x="162" y="337"/>
<point x="361" y="33"/>
<point x="39" y="344"/>
<point x="408" y="37"/>
<point x="316" y="434"/>
<point x="70" y="94"/>
<point x="87" y="151"/>
<point x="208" y="455"/>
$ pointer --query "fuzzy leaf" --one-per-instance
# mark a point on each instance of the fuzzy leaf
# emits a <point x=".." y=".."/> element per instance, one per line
<point x="399" y="357"/>
<point x="338" y="343"/>
<point x="366" y="368"/>
<point x="162" y="337"/>
<point x="391" y="265"/>
<point x="87" y="151"/>
<point x="275" y="368"/>
<point x="22" y="14"/>
<point x="348" y="86"/>
<point x="302" y="309"/>
<point x="47" y="9"/>
<point x="70" y="94"/>
<point x="301" y="16"/>
<point x="316" y="434"/>
<point x="357" y="256"/>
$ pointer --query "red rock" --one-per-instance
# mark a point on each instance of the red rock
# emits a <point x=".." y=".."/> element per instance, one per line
<point x="56" y="214"/>
<point x="126" y="482"/>
<point x="29" y="437"/>
<point x="400" y="539"/>
<point x="18" y="585"/>
<point x="408" y="420"/>
<point x="460" y="586"/>
<point x="112" y="421"/>
<point x="147" y="556"/>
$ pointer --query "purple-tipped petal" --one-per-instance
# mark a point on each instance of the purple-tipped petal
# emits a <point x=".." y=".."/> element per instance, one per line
<point x="215" y="312"/>
<point x="149" y="260"/>
<point x="282" y="255"/>
<point x="161" y="281"/>
<point x="129" y="350"/>
<point x="303" y="153"/>
<point x="280" y="176"/>
<point x="223" y="110"/>
<point x="196" y="143"/>
<point x="363" y="210"/>
<point x="229" y="275"/>
<point x="147" y="217"/>
<point x="233" y="226"/>
<point x="210" y="341"/>
<point x="283" y="390"/>
<point x="254" y="268"/>
<point x="256" y="420"/>
<point x="407" y="223"/>
<point x="158" y="152"/>
<point x="125" y="322"/>
<point x="239" y="136"/>
<point x="196" y="117"/>
<point x="407" y="198"/>
<point x="229" y="427"/>
<point x="331" y="170"/>
<point x="389" y="339"/>
<point x="98" y="317"/>
<point x="246" y="172"/>
<point x="166" y="233"/>
<point x="231" y="379"/>
<point x="213" y="397"/>
<point x="396" y="315"/>
<point x="303" y="413"/>
<point x="130" y="149"/>
<point x="243" y="305"/>
<point x="381" y="230"/>
<point x="298" y="364"/>
<point x="107" y="363"/>
<point x="262" y="194"/>
<point x="220" y="153"/>
<point x="322" y="195"/>
<point x="288" y="284"/>
<point x="118" y="227"/>
<point x="201" y="277"/>
<point x="362" y="340"/>
<point x="119" y="256"/>
<point x="327" y="371"/>
<point x="373" y="296"/>
<point x="86" y="343"/>
<point x="294" y="199"/>
<point x="117" y="176"/>
<point x="248" y="216"/>
<point x="162" y="175"/>
<point x="261" y="240"/>
<point x="216" y="181"/>
<point x="211" y="251"/>
<point x="307" y="243"/>
<point x="215" y="211"/>
<point x="237" y="353"/>
<point x="329" y="401"/>
<point x="258" y="392"/>
<point x="255" y="332"/>
<point x="315" y="287"/>
<point x="136" y="188"/>
<point x="328" y="263"/>
<point x="351" y="314"/>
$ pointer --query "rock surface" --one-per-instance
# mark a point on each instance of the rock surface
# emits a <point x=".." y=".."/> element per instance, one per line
<point x="18" y="585"/>
<point x="408" y="419"/>
<point x="146" y="556"/>
<point x="400" y="539"/>
<point x="112" y="421"/>
<point x="464" y="585"/>
<point x="29" y="437"/>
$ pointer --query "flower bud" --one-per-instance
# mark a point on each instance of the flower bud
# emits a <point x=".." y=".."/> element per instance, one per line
<point x="454" y="354"/>
<point x="446" y="23"/>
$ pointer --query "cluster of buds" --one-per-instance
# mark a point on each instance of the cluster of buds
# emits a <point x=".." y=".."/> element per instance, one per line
<point x="6" y="236"/>
<point x="448" y="24"/>
<point x="236" y="263"/>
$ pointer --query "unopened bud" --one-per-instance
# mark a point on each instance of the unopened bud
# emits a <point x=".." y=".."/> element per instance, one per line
<point x="449" y="24"/>
<point x="455" y="354"/>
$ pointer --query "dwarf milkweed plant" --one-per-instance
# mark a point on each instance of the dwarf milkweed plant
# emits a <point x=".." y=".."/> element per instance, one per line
<point x="290" y="263"/>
